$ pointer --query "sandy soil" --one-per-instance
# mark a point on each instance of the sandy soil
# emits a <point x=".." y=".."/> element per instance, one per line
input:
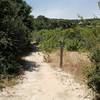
<point x="45" y="83"/>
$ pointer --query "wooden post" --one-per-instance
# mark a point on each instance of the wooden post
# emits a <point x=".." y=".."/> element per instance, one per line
<point x="61" y="56"/>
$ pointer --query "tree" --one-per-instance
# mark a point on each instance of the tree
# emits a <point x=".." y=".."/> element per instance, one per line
<point x="15" y="27"/>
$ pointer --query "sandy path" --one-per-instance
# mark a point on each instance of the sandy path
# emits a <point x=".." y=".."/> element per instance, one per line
<point x="46" y="84"/>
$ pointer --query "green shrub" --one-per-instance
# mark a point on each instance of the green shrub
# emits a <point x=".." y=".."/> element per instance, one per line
<point x="94" y="74"/>
<point x="50" y="39"/>
<point x="95" y="56"/>
<point x="73" y="45"/>
<point x="15" y="28"/>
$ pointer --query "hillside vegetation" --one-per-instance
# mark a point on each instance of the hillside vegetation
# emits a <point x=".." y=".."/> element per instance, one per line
<point x="79" y="35"/>
<point x="18" y="29"/>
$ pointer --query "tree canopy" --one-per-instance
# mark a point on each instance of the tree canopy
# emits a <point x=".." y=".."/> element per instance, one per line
<point x="15" y="27"/>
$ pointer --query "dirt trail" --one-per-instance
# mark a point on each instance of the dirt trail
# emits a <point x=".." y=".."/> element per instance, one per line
<point x="46" y="83"/>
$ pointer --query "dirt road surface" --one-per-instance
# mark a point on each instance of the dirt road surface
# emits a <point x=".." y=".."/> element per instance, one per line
<point x="43" y="82"/>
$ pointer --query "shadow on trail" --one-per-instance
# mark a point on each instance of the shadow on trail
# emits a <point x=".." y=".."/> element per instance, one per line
<point x="29" y="66"/>
<point x="32" y="48"/>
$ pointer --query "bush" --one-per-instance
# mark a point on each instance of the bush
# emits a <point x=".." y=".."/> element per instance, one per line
<point x="73" y="45"/>
<point x="94" y="74"/>
<point x="95" y="56"/>
<point x="15" y="28"/>
<point x="50" y="39"/>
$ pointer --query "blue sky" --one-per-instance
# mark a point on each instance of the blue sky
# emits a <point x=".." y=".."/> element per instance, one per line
<point x="68" y="9"/>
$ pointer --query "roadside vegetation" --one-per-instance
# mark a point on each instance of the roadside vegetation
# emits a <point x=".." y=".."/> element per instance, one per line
<point x="15" y="28"/>
<point x="83" y="36"/>
<point x="18" y="29"/>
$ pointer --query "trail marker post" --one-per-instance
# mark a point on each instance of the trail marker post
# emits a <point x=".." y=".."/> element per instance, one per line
<point x="61" y="53"/>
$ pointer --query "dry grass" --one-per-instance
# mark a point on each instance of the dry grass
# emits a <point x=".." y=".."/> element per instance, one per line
<point x="73" y="62"/>
<point x="10" y="81"/>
